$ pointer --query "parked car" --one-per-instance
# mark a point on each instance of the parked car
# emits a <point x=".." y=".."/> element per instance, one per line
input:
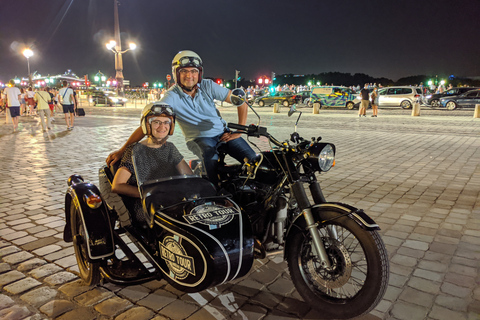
<point x="466" y="100"/>
<point x="434" y="99"/>
<point x="303" y="97"/>
<point x="333" y="96"/>
<point x="107" y="98"/>
<point x="286" y="98"/>
<point x="403" y="97"/>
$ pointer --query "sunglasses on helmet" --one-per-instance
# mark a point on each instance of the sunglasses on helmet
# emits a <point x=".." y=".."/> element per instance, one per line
<point x="189" y="61"/>
<point x="162" y="110"/>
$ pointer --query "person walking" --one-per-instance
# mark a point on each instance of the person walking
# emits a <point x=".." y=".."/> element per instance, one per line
<point x="23" y="103"/>
<point x="65" y="96"/>
<point x="13" y="95"/>
<point x="374" y="97"/>
<point x="43" y="99"/>
<point x="29" y="99"/>
<point x="364" y="94"/>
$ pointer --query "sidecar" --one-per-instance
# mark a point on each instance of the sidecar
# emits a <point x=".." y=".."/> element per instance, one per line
<point x="190" y="236"/>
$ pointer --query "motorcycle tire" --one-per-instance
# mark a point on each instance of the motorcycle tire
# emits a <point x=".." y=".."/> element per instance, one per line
<point x="358" y="277"/>
<point x="89" y="271"/>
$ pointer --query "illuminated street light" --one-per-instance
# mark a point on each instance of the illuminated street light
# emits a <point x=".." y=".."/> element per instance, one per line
<point x="28" y="53"/>
<point x="116" y="47"/>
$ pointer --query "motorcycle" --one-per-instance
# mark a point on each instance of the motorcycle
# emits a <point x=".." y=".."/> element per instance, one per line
<point x="197" y="237"/>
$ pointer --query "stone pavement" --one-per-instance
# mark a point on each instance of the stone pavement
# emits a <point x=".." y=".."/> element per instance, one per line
<point x="418" y="177"/>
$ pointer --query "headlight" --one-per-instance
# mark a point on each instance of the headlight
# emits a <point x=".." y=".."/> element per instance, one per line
<point x="429" y="96"/>
<point x="114" y="99"/>
<point x="321" y="156"/>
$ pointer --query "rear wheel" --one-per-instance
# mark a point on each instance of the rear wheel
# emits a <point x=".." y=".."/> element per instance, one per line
<point x="89" y="271"/>
<point x="406" y="104"/>
<point x="451" y="105"/>
<point x="285" y="103"/>
<point x="261" y="103"/>
<point x="358" y="277"/>
<point x="435" y="103"/>
<point x="350" y="105"/>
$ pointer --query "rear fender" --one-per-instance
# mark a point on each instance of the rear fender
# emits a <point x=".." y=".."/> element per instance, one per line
<point x="96" y="221"/>
<point x="358" y="215"/>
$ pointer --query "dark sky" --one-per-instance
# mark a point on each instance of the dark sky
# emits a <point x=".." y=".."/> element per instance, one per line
<point x="386" y="38"/>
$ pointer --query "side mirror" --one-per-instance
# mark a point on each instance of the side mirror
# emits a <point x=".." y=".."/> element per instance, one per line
<point x="292" y="110"/>
<point x="238" y="97"/>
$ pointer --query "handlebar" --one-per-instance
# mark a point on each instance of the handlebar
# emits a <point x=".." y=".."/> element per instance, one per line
<point x="253" y="131"/>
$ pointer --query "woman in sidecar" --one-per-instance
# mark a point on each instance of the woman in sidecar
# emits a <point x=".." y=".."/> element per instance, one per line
<point x="191" y="236"/>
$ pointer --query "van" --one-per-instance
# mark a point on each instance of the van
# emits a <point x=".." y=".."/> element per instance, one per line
<point x="333" y="96"/>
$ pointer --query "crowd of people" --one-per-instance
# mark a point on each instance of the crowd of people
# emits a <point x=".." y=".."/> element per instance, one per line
<point x="43" y="102"/>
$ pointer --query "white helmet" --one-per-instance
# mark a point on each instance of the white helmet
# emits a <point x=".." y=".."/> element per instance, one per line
<point x="156" y="109"/>
<point x="185" y="59"/>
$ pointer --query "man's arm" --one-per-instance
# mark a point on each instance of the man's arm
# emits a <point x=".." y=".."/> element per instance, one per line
<point x="136" y="136"/>
<point x="242" y="119"/>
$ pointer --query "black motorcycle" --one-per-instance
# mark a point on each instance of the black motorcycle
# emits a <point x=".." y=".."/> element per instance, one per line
<point x="197" y="237"/>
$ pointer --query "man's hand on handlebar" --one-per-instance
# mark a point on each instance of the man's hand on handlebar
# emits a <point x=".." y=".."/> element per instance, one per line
<point x="114" y="157"/>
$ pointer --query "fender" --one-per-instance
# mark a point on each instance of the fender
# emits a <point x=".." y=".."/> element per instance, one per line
<point x="358" y="215"/>
<point x="96" y="221"/>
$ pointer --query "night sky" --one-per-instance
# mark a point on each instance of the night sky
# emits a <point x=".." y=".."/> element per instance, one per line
<point x="391" y="39"/>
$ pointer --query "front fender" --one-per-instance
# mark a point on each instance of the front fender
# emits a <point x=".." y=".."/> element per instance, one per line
<point x="96" y="221"/>
<point x="358" y="215"/>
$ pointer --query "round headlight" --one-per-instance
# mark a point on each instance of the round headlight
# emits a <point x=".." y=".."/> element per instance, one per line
<point x="321" y="156"/>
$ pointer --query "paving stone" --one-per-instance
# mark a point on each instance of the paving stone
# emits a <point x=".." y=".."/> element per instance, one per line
<point x="17" y="257"/>
<point x="55" y="308"/>
<point x="39" y="296"/>
<point x="4" y="267"/>
<point x="417" y="297"/>
<point x="30" y="264"/>
<point x="178" y="310"/>
<point x="463" y="270"/>
<point x="424" y="285"/>
<point x="21" y="285"/>
<point x="137" y="313"/>
<point x="47" y="250"/>
<point x="456" y="291"/>
<point x="134" y="293"/>
<point x="14" y="313"/>
<point x="113" y="306"/>
<point x="44" y="271"/>
<point x="452" y="303"/>
<point x="93" y="296"/>
<point x="404" y="260"/>
<point x="157" y="300"/>
<point x="23" y="240"/>
<point x="441" y="313"/>
<point x="5" y="301"/>
<point x="40" y="243"/>
<point x="5" y="251"/>
<point x="405" y="311"/>
<point x="429" y="275"/>
<point x="59" y="278"/>
<point x="67" y="261"/>
<point x="10" y="277"/>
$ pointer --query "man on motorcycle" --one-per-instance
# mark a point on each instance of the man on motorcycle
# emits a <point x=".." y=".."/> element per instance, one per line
<point x="154" y="157"/>
<point x="199" y="119"/>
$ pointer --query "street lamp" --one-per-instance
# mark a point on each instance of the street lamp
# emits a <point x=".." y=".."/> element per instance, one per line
<point x="116" y="47"/>
<point x="28" y="53"/>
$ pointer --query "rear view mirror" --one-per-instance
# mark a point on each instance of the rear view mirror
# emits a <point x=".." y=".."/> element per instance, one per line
<point x="292" y="110"/>
<point x="238" y="97"/>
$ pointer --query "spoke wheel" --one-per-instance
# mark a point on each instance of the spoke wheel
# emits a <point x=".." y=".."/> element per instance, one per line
<point x="89" y="271"/>
<point x="357" y="278"/>
<point x="350" y="105"/>
<point x="406" y="104"/>
<point x="451" y="105"/>
<point x="435" y="103"/>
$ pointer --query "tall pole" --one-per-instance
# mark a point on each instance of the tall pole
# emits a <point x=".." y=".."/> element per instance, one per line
<point x="29" y="74"/>
<point x="118" y="53"/>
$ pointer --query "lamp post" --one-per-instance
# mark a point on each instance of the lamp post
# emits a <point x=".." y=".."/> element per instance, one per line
<point x="116" y="47"/>
<point x="28" y="53"/>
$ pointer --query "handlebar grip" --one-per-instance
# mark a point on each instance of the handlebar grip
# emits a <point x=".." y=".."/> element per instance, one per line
<point x="237" y="126"/>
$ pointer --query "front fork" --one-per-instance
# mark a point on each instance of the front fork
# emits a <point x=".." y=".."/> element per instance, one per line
<point x="311" y="225"/>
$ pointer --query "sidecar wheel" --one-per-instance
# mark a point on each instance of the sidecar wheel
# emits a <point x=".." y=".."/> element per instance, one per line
<point x="89" y="271"/>
<point x="358" y="277"/>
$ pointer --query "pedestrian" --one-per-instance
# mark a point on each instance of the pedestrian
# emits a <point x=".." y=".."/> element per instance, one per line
<point x="13" y="96"/>
<point x="192" y="98"/>
<point x="51" y="104"/>
<point x="23" y="103"/>
<point x="65" y="96"/>
<point x="374" y="98"/>
<point x="42" y="98"/>
<point x="29" y="99"/>
<point x="364" y="94"/>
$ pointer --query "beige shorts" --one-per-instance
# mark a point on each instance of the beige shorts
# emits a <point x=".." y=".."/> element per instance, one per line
<point x="364" y="104"/>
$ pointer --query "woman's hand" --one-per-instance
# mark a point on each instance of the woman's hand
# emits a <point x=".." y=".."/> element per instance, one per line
<point x="114" y="157"/>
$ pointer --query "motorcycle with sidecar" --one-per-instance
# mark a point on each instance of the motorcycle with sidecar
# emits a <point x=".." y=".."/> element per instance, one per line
<point x="196" y="236"/>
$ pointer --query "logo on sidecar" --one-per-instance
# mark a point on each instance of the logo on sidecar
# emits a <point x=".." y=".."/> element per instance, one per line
<point x="213" y="215"/>
<point x="179" y="263"/>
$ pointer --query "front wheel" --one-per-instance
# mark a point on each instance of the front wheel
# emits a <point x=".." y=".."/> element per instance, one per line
<point x="358" y="277"/>
<point x="406" y="104"/>
<point x="89" y="271"/>
<point x="451" y="105"/>
<point x="261" y="103"/>
<point x="285" y="104"/>
<point x="350" y="105"/>
<point x="435" y="103"/>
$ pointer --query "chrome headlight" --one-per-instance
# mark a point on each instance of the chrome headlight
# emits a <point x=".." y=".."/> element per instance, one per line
<point x="321" y="156"/>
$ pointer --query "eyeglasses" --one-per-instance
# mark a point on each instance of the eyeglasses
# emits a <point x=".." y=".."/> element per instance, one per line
<point x="156" y="123"/>
<point x="162" y="110"/>
<point x="193" y="72"/>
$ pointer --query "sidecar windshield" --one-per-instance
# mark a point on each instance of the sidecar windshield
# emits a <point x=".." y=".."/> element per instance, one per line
<point x="169" y="191"/>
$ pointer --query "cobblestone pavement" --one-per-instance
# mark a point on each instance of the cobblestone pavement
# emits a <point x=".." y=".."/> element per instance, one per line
<point x="418" y="177"/>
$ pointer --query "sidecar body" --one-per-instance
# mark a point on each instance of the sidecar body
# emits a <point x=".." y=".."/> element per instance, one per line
<point x="191" y="236"/>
